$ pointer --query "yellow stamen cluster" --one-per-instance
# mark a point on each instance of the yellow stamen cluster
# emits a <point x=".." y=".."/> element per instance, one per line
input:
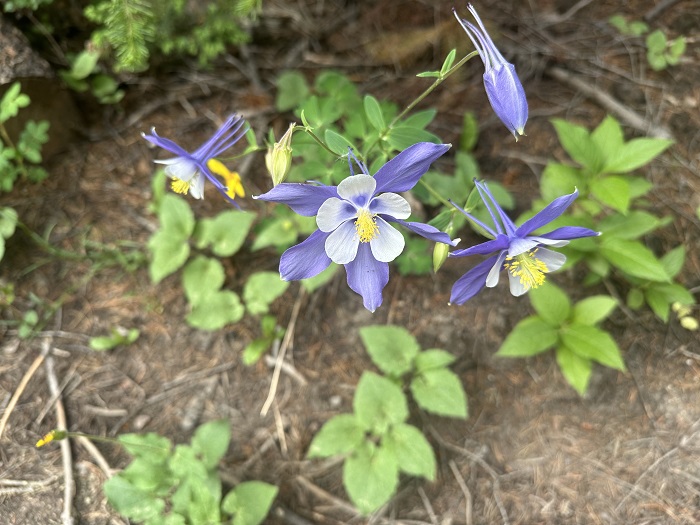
<point x="180" y="186"/>
<point x="231" y="178"/>
<point x="528" y="268"/>
<point x="366" y="226"/>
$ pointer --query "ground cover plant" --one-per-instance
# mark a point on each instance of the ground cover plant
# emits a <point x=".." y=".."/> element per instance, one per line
<point x="190" y="379"/>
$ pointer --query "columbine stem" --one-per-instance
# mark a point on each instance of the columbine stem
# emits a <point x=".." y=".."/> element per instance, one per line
<point x="317" y="139"/>
<point x="434" y="193"/>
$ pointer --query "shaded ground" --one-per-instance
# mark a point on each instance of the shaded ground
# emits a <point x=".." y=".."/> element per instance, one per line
<point x="531" y="452"/>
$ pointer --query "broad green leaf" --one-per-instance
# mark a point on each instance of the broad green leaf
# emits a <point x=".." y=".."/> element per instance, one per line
<point x="402" y="137"/>
<point x="147" y="475"/>
<point x="551" y="303"/>
<point x="216" y="311"/>
<point x="530" y="336"/>
<point x="635" y="298"/>
<point x="612" y="191"/>
<point x="84" y="64"/>
<point x="676" y="50"/>
<point x="339" y="435"/>
<point x="176" y="216"/>
<point x="608" y="137"/>
<point x="636" y="153"/>
<point x="225" y="233"/>
<point x="151" y="446"/>
<point x="392" y="348"/>
<point x="314" y="283"/>
<point x="379" y="403"/>
<point x="420" y="119"/>
<point x="558" y="180"/>
<point x="656" y="41"/>
<point x="630" y="226"/>
<point x="374" y="113"/>
<point x="592" y="343"/>
<point x="130" y="501"/>
<point x="8" y="222"/>
<point x="594" y="309"/>
<point x="201" y="277"/>
<point x="250" y="502"/>
<point x="292" y="90"/>
<point x="370" y="475"/>
<point x="12" y="101"/>
<point x="673" y="261"/>
<point x="432" y="359"/>
<point x="337" y="143"/>
<point x="211" y="441"/>
<point x="414" y="454"/>
<point x="575" y="369"/>
<point x="660" y="296"/>
<point x="633" y="258"/>
<point x="261" y="289"/>
<point x="255" y="349"/>
<point x="440" y="391"/>
<point x="579" y="145"/>
<point x="184" y="464"/>
<point x="169" y="252"/>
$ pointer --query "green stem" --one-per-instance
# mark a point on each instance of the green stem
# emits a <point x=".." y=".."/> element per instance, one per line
<point x="19" y="159"/>
<point x="317" y="139"/>
<point x="434" y="193"/>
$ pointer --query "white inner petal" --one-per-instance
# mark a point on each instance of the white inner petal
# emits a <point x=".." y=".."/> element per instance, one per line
<point x="341" y="245"/>
<point x="179" y="168"/>
<point x="553" y="260"/>
<point x="556" y="243"/>
<point x="333" y="212"/>
<point x="388" y="244"/>
<point x="518" y="246"/>
<point x="391" y="204"/>
<point x="495" y="272"/>
<point x="517" y="288"/>
<point x="197" y="186"/>
<point x="358" y="189"/>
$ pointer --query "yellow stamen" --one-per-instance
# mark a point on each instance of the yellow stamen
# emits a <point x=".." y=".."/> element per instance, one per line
<point x="180" y="186"/>
<point x="366" y="226"/>
<point x="234" y="188"/>
<point x="528" y="268"/>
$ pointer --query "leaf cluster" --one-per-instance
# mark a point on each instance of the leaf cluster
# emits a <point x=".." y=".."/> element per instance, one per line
<point x="661" y="52"/>
<point x="166" y="485"/>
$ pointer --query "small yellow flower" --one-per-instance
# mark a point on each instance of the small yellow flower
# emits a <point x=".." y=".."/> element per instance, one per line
<point x="231" y="178"/>
<point x="54" y="435"/>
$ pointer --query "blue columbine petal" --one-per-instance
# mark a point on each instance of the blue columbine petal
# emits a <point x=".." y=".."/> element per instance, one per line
<point x="306" y="259"/>
<point x="570" y="232"/>
<point x="472" y="282"/>
<point x="425" y="230"/>
<point x="164" y="143"/>
<point x="367" y="277"/>
<point x="553" y="210"/>
<point x="499" y="243"/>
<point x="304" y="199"/>
<point x="226" y="136"/>
<point x="403" y="171"/>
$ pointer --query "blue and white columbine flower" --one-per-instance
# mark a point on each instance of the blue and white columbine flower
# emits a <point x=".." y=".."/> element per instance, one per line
<point x="516" y="251"/>
<point x="188" y="170"/>
<point x="356" y="221"/>
<point x="503" y="87"/>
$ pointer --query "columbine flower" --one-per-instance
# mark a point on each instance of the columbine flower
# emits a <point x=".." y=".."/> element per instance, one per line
<point x="355" y="221"/>
<point x="503" y="87"/>
<point x="520" y="253"/>
<point x="188" y="170"/>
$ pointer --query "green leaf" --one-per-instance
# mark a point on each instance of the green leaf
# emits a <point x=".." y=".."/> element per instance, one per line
<point x="420" y="119"/>
<point x="660" y="297"/>
<point x="551" y="303"/>
<point x="176" y="216"/>
<point x="370" y="476"/>
<point x="255" y="349"/>
<point x="635" y="298"/>
<point x="673" y="261"/>
<point x="216" y="311"/>
<point x="338" y="143"/>
<point x="374" y="113"/>
<point x="592" y="343"/>
<point x="470" y="132"/>
<point x="440" y="391"/>
<point x="575" y="369"/>
<point x="594" y="309"/>
<point x="432" y="359"/>
<point x="379" y="403"/>
<point x="414" y="454"/>
<point x="12" y="101"/>
<point x="608" y="137"/>
<point x="314" y="283"/>
<point x="211" y="441"/>
<point x="558" y="180"/>
<point x="633" y="258"/>
<point x="402" y="136"/>
<point x="151" y="446"/>
<point x="447" y="64"/>
<point x="250" y="502"/>
<point x="676" y="50"/>
<point x="612" y="191"/>
<point x="261" y="289"/>
<point x="130" y="501"/>
<point x="630" y="226"/>
<point x="530" y="336"/>
<point x="202" y="277"/>
<point x="292" y="90"/>
<point x="8" y="222"/>
<point x="636" y="153"/>
<point x="656" y="41"/>
<point x="339" y="435"/>
<point x="391" y="348"/>
<point x="579" y="145"/>
<point x="84" y="64"/>
<point x="169" y="252"/>
<point x="225" y="233"/>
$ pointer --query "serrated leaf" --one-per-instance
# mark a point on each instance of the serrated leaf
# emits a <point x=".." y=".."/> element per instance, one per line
<point x="592" y="310"/>
<point x="440" y="391"/>
<point x="250" y="502"/>
<point x="592" y="343"/>
<point x="575" y="369"/>
<point x="530" y="336"/>
<point x="413" y="453"/>
<point x="379" y="403"/>
<point x="216" y="311"/>
<point x="225" y="233"/>
<point x="201" y="277"/>
<point x="633" y="258"/>
<point x="211" y="441"/>
<point x="612" y="191"/>
<point x="636" y="153"/>
<point x="339" y="435"/>
<point x="432" y="359"/>
<point x="261" y="289"/>
<point x="551" y="303"/>
<point x="370" y="476"/>
<point x="391" y="348"/>
<point x="374" y="113"/>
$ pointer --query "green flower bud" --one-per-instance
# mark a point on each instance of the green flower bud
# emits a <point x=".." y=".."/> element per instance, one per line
<point x="278" y="158"/>
<point x="440" y="253"/>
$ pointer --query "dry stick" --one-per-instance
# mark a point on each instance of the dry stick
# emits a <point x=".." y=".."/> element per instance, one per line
<point x="289" y="334"/>
<point x="69" y="487"/>
<point x="20" y="388"/>
<point x="467" y="493"/>
<point x="630" y="117"/>
<point x="427" y="505"/>
<point x="91" y="449"/>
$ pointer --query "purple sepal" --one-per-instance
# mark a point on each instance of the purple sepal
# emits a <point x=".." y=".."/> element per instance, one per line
<point x="306" y="259"/>
<point x="304" y="199"/>
<point x="499" y="243"/>
<point x="566" y="233"/>
<point x="424" y="230"/>
<point x="403" y="171"/>
<point x="367" y="277"/>
<point x="472" y="282"/>
<point x="553" y="210"/>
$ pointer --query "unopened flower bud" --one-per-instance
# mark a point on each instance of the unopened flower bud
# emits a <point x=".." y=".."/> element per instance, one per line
<point x="278" y="158"/>
<point x="440" y="253"/>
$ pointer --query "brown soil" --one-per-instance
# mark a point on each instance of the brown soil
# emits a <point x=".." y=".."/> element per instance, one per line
<point x="532" y="451"/>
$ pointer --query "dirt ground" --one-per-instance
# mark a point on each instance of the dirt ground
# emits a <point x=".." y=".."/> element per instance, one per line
<point x="531" y="452"/>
